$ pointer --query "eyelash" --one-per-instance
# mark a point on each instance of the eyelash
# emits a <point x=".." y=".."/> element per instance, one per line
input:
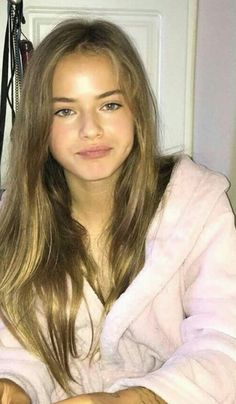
<point x="110" y="106"/>
<point x="64" y="112"/>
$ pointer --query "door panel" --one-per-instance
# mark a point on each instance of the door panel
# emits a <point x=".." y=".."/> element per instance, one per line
<point x="164" y="33"/>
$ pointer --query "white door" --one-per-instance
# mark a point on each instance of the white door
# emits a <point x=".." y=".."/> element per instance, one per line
<point x="164" y="33"/>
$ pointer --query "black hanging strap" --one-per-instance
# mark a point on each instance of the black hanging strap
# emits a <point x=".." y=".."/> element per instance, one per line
<point x="4" y="88"/>
<point x="10" y="87"/>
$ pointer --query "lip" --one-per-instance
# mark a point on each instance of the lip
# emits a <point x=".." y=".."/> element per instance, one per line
<point x="95" y="152"/>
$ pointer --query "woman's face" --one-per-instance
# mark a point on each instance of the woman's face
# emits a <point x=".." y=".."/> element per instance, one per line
<point x="92" y="131"/>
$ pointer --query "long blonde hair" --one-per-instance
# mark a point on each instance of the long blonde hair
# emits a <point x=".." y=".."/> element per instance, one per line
<point x="41" y="246"/>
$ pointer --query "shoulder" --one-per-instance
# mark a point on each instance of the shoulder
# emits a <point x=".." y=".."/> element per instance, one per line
<point x="194" y="188"/>
<point x="188" y="174"/>
<point x="191" y="195"/>
<point x="192" y="183"/>
<point x="182" y="179"/>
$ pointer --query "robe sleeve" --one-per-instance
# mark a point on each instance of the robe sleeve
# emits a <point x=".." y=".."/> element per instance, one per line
<point x="203" y="368"/>
<point x="24" y="369"/>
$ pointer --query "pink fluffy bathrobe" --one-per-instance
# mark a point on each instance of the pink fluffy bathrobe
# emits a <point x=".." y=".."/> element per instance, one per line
<point x="174" y="329"/>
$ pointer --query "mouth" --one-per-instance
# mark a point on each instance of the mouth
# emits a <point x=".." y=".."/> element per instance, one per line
<point x="95" y="152"/>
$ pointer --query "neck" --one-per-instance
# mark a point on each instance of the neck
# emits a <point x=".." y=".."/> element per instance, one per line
<point x="92" y="204"/>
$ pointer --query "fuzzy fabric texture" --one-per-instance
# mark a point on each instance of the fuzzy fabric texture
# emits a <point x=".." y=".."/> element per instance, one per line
<point x="174" y="329"/>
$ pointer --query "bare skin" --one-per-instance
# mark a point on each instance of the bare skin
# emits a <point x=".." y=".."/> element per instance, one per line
<point x="11" y="393"/>
<point x="89" y="111"/>
<point x="135" y="395"/>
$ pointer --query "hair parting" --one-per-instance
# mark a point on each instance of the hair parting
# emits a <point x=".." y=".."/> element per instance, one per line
<point x="44" y="252"/>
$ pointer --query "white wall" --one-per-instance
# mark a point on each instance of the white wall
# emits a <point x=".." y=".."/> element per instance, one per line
<point x="164" y="31"/>
<point x="215" y="95"/>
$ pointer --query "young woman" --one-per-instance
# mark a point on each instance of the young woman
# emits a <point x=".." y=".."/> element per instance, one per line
<point x="118" y="265"/>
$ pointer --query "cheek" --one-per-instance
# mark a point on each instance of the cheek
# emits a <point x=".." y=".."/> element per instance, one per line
<point x="125" y="126"/>
<point x="59" y="134"/>
<point x="130" y="133"/>
<point x="128" y="142"/>
<point x="61" y="126"/>
<point x="130" y="145"/>
<point x="56" y="139"/>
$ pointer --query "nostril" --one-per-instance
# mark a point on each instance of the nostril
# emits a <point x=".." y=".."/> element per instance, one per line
<point x="90" y="126"/>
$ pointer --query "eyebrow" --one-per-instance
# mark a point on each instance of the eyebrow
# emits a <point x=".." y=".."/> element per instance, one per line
<point x="108" y="93"/>
<point x="98" y="97"/>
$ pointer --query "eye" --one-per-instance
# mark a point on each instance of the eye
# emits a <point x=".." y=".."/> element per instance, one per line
<point x="111" y="106"/>
<point x="64" y="112"/>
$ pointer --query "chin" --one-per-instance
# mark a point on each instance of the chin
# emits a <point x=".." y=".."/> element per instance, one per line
<point x="99" y="176"/>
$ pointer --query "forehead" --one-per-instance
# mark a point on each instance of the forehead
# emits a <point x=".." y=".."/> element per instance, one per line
<point x="79" y="62"/>
<point x="84" y="70"/>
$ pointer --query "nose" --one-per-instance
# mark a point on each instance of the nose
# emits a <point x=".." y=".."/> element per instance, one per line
<point x="90" y="125"/>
